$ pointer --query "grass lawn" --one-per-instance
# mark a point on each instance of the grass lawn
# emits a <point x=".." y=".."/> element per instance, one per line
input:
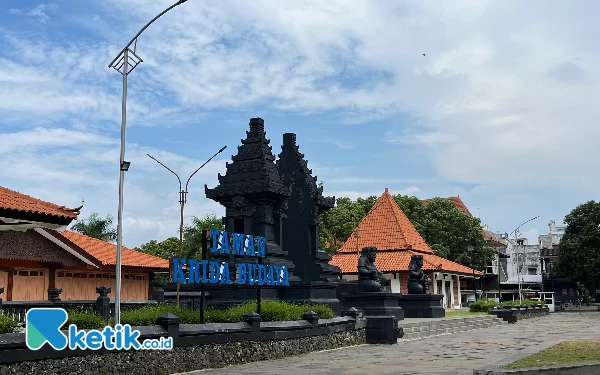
<point x="463" y="313"/>
<point x="565" y="353"/>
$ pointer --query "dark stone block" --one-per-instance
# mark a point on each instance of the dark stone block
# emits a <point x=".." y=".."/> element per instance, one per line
<point x="382" y="330"/>
<point x="300" y="231"/>
<point x="375" y="303"/>
<point x="422" y="305"/>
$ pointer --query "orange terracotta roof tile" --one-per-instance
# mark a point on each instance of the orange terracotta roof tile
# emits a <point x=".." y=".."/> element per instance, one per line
<point x="395" y="261"/>
<point x="387" y="228"/>
<point x="489" y="236"/>
<point x="106" y="252"/>
<point x="13" y="200"/>
<point x="457" y="202"/>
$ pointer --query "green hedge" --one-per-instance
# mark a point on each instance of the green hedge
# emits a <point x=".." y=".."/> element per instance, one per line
<point x="526" y="302"/>
<point x="483" y="305"/>
<point x="84" y="319"/>
<point x="271" y="311"/>
<point x="7" y="325"/>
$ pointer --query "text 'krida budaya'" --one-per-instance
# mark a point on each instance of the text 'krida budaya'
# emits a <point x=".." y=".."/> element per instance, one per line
<point x="212" y="272"/>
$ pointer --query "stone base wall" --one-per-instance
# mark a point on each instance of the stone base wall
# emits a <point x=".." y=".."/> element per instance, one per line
<point x="182" y="359"/>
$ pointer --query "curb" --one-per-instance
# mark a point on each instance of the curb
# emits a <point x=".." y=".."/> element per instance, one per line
<point x="581" y="369"/>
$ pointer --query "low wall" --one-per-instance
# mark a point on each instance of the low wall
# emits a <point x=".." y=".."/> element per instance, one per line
<point x="513" y="315"/>
<point x="196" y="346"/>
<point x="584" y="369"/>
<point x="188" y="358"/>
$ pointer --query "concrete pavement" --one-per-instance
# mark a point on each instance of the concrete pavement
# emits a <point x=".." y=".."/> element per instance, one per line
<point x="457" y="353"/>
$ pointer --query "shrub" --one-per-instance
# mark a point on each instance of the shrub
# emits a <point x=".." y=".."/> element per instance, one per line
<point x="271" y="311"/>
<point x="147" y="315"/>
<point x="483" y="305"/>
<point x="84" y="319"/>
<point x="526" y="302"/>
<point x="7" y="325"/>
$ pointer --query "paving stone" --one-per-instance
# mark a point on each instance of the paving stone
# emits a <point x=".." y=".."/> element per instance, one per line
<point x="464" y="351"/>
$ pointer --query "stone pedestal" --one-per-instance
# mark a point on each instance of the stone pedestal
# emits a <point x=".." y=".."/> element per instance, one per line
<point x="422" y="305"/>
<point x="375" y="303"/>
<point x="382" y="330"/>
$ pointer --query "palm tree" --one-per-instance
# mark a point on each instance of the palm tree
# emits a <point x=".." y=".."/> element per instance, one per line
<point x="96" y="227"/>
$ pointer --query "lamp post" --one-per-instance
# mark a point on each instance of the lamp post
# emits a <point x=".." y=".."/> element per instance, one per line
<point x="121" y="64"/>
<point x="472" y="251"/>
<point x="516" y="234"/>
<point x="182" y="202"/>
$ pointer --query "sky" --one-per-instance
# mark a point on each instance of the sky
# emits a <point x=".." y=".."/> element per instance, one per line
<point x="493" y="101"/>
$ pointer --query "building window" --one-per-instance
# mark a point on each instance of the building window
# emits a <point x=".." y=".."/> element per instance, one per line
<point x="33" y="273"/>
<point x="61" y="274"/>
<point x="23" y="273"/>
<point x="77" y="275"/>
<point x="84" y="276"/>
<point x="113" y="276"/>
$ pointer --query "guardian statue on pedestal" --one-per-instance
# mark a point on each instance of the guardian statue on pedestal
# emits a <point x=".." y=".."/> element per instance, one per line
<point x="418" y="281"/>
<point x="370" y="279"/>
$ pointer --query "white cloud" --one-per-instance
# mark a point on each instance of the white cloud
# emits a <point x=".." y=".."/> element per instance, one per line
<point x="40" y="12"/>
<point x="15" y="11"/>
<point x="67" y="166"/>
<point x="504" y="96"/>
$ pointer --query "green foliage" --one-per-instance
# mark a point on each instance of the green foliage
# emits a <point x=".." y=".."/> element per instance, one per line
<point x="7" y="325"/>
<point x="579" y="254"/>
<point x="192" y="234"/>
<point x="483" y="305"/>
<point x="444" y="227"/>
<point x="583" y="293"/>
<point x="96" y="227"/>
<point x="147" y="315"/>
<point x="525" y="302"/>
<point x="165" y="249"/>
<point x="338" y="223"/>
<point x="270" y="311"/>
<point x="192" y="239"/>
<point x="84" y="319"/>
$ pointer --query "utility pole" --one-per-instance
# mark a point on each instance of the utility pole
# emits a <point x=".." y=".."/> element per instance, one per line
<point x="516" y="245"/>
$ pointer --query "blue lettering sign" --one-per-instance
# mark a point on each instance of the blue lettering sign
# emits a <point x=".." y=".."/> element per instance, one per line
<point x="178" y="275"/>
<point x="215" y="236"/>
<point x="237" y="243"/>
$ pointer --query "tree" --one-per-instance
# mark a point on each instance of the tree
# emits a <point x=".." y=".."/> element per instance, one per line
<point x="579" y="249"/>
<point x="192" y="234"/>
<point x="166" y="249"/>
<point x="192" y="239"/>
<point x="338" y="223"/>
<point x="96" y="227"/>
<point x="446" y="229"/>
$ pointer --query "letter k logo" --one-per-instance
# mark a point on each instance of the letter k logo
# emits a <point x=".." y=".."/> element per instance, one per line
<point x="43" y="326"/>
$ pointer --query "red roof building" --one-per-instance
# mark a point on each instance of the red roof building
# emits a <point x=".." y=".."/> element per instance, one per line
<point x="37" y="253"/>
<point x="388" y="229"/>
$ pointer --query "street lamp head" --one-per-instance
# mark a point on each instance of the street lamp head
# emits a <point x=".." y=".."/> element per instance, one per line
<point x="125" y="165"/>
<point x="224" y="147"/>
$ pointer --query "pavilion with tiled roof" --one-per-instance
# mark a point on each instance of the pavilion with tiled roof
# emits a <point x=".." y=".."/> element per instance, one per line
<point x="388" y="229"/>
<point x="38" y="253"/>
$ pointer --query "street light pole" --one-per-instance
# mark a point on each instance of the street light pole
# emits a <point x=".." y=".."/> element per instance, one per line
<point x="121" y="64"/>
<point x="182" y="202"/>
<point x="516" y="234"/>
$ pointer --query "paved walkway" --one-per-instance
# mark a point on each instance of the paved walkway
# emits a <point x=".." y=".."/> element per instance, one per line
<point x="457" y="353"/>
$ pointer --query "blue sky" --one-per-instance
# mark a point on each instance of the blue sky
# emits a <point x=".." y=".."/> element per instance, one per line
<point x="501" y="110"/>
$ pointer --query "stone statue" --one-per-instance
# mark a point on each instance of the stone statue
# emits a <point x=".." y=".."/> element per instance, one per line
<point x="370" y="279"/>
<point x="418" y="281"/>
